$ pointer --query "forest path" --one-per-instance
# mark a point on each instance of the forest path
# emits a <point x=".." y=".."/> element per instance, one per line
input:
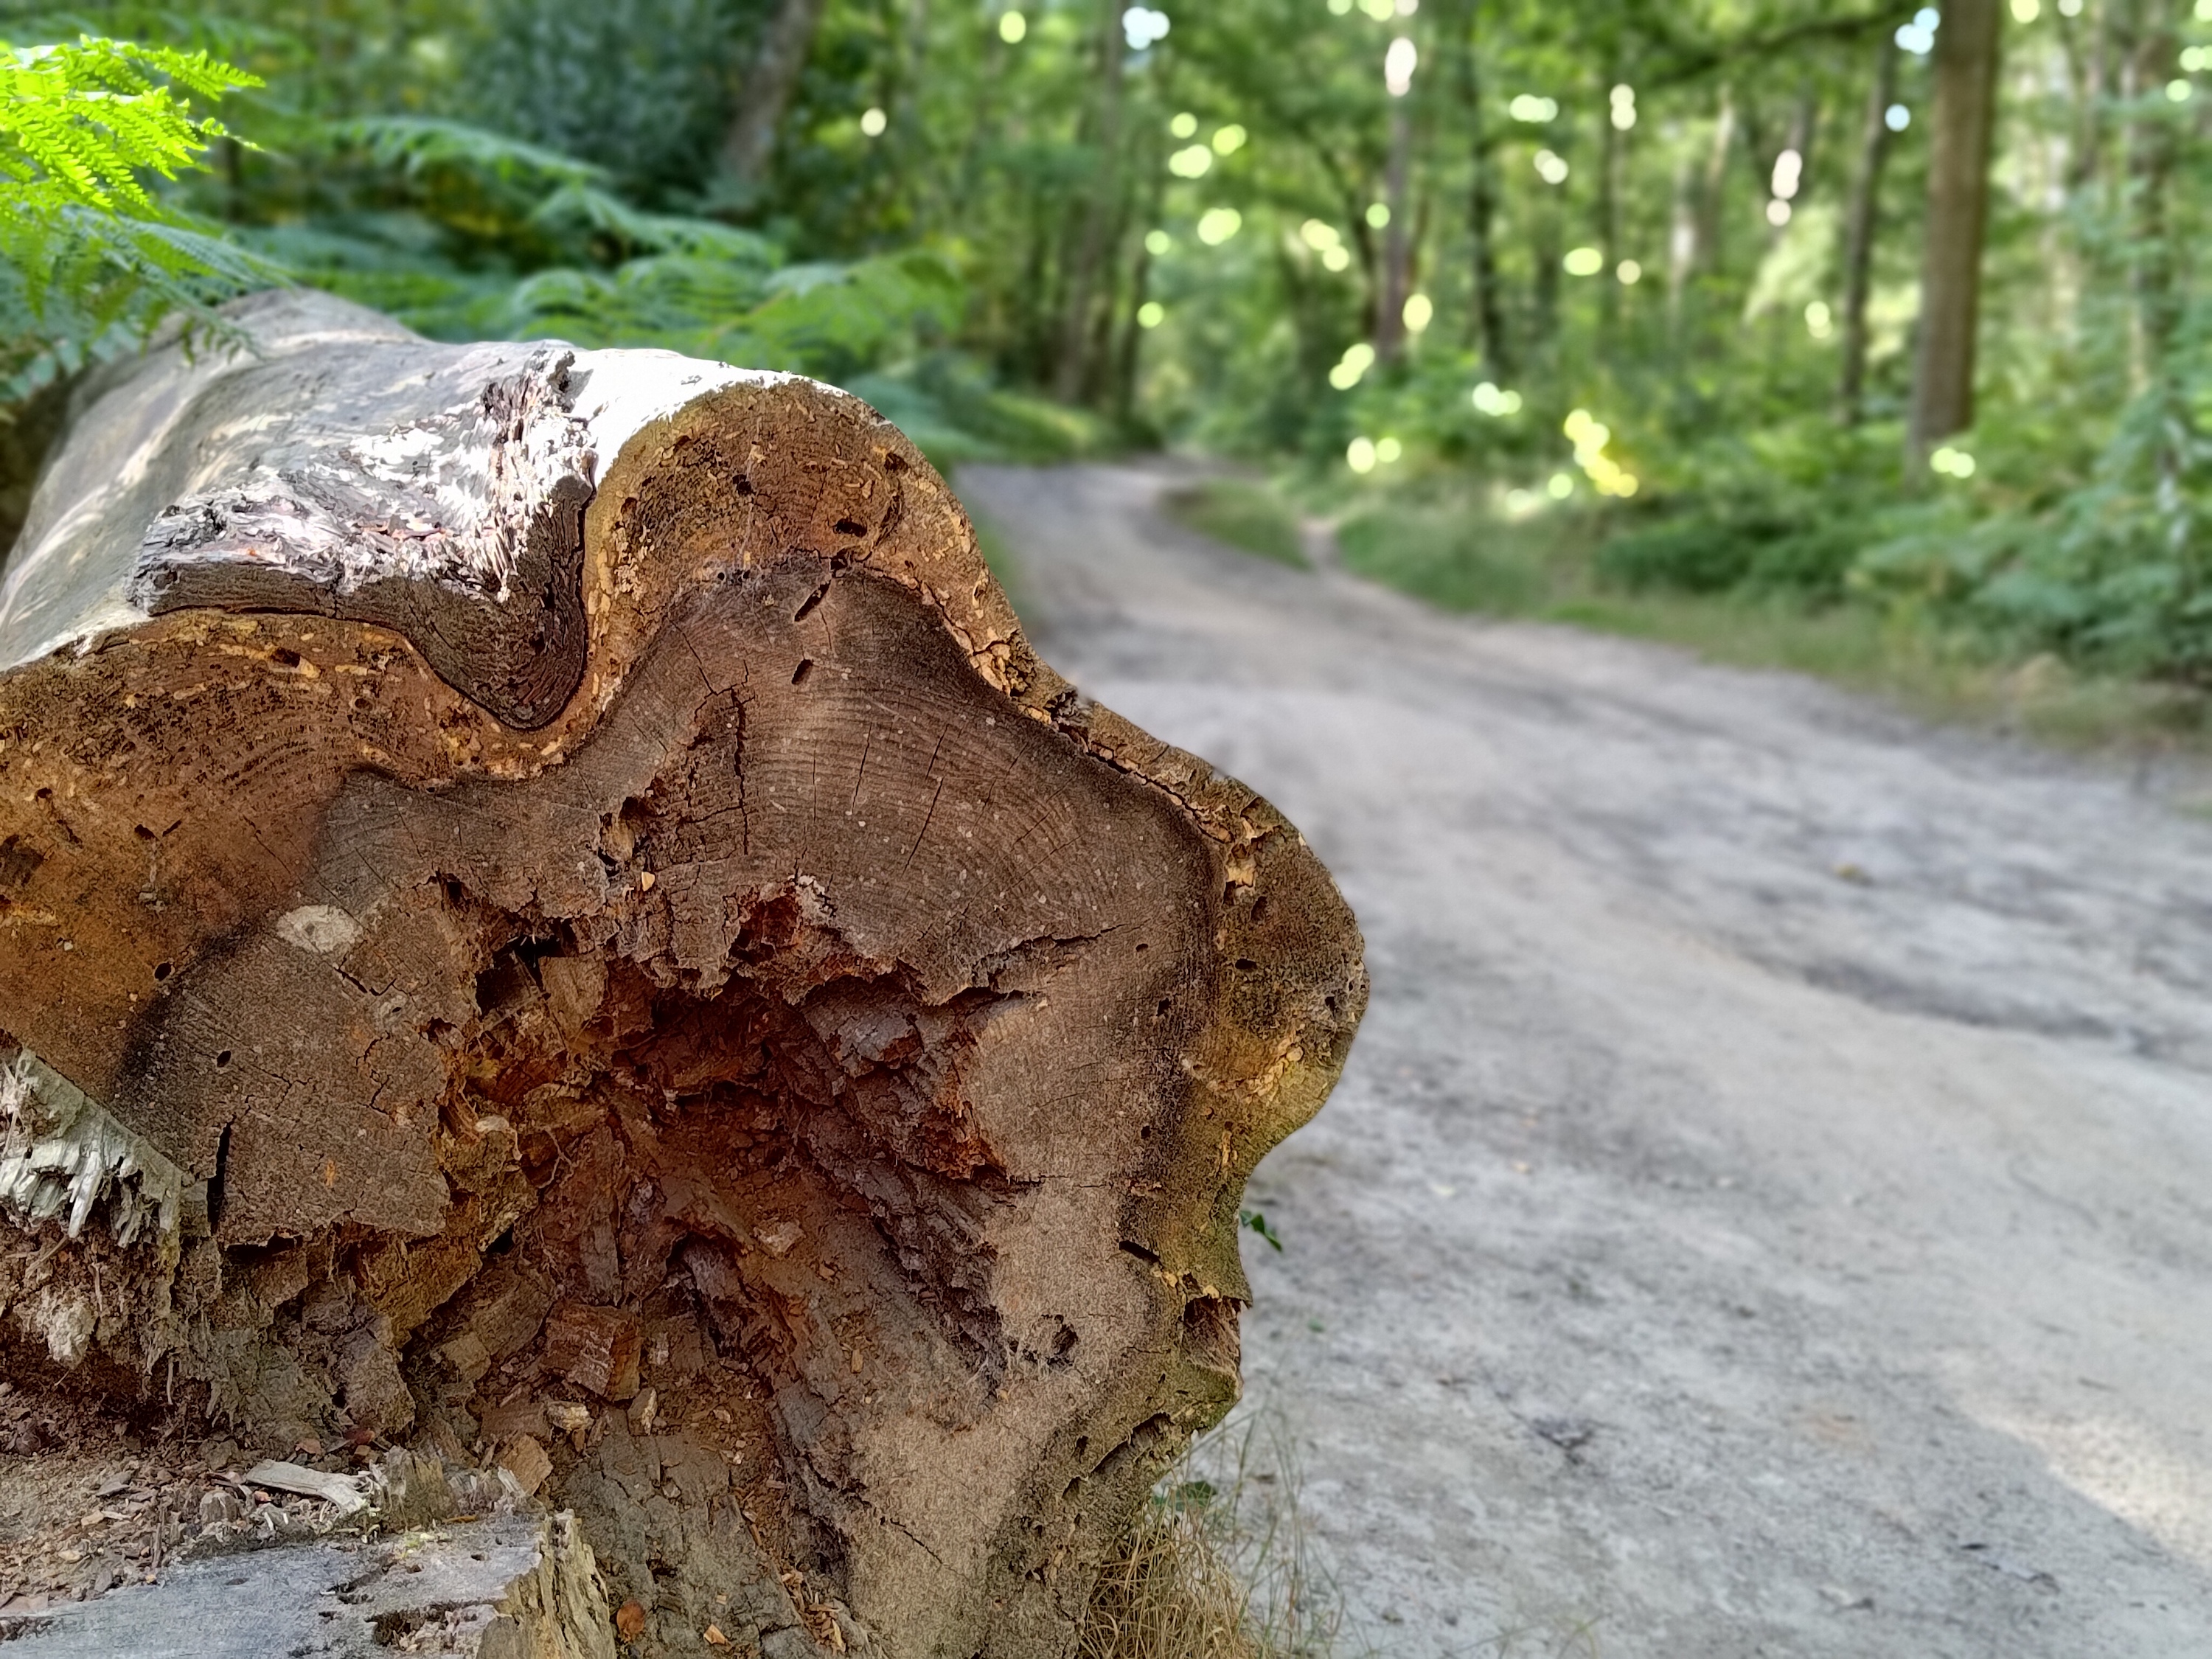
<point x="1769" y="1208"/>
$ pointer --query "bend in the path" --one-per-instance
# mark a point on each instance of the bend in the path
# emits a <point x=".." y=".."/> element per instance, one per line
<point x="1770" y="1208"/>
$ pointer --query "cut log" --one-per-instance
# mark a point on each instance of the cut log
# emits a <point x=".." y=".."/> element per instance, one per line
<point x="538" y="882"/>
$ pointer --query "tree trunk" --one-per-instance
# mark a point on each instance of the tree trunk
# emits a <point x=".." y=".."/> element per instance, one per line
<point x="1544" y="280"/>
<point x="1486" y="316"/>
<point x="749" y="144"/>
<point x="1610" y="152"/>
<point x="2151" y="147"/>
<point x="1712" y="194"/>
<point x="1681" y="243"/>
<point x="1397" y="247"/>
<point x="1859" y="231"/>
<point x="544" y="895"/>
<point x="2088" y="54"/>
<point x="1961" y="125"/>
<point x="1101" y="208"/>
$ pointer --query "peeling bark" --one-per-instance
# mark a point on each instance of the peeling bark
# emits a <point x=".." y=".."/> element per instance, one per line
<point x="791" y="1069"/>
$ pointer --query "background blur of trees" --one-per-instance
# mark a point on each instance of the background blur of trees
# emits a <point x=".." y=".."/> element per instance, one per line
<point x="1835" y="303"/>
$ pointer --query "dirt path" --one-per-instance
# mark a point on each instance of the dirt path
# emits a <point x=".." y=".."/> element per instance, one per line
<point x="1769" y="1211"/>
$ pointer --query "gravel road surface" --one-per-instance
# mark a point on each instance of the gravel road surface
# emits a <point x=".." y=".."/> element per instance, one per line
<point x="1769" y="1210"/>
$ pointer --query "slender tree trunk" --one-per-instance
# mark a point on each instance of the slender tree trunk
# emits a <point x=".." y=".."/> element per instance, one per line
<point x="1070" y="374"/>
<point x="1397" y="245"/>
<point x="1545" y="286"/>
<point x="2088" y="57"/>
<point x="2152" y="154"/>
<point x="1712" y="196"/>
<point x="1098" y="382"/>
<point x="1681" y="243"/>
<point x="749" y="144"/>
<point x="1859" y="229"/>
<point x="1144" y="159"/>
<point x="1961" y="124"/>
<point x="1124" y="362"/>
<point x="912" y="142"/>
<point x="1612" y="152"/>
<point x="1485" y="321"/>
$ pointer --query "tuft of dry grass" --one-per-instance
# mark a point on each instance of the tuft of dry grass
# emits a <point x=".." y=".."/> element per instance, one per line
<point x="1219" y="1564"/>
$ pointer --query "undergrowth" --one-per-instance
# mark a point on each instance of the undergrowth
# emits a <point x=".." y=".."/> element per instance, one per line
<point x="1219" y="1564"/>
<point x="1243" y="515"/>
<point x="1742" y="593"/>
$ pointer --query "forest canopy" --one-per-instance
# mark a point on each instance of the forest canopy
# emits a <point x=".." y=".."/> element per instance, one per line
<point x="1830" y="301"/>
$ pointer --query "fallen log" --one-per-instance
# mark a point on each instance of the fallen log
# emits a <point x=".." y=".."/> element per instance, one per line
<point x="547" y="909"/>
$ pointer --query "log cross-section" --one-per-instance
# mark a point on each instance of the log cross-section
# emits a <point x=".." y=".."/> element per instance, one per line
<point x="547" y="909"/>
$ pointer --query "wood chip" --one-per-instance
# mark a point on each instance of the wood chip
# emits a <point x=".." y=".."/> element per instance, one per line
<point x="595" y="1348"/>
<point x="341" y="1490"/>
<point x="516" y="1417"/>
<point x="526" y="1461"/>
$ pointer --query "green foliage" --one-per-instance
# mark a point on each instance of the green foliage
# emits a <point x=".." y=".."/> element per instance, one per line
<point x="1456" y="554"/>
<point x="637" y="88"/>
<point x="93" y="260"/>
<point x="1243" y="515"/>
<point x="950" y="405"/>
<point x="1039" y="242"/>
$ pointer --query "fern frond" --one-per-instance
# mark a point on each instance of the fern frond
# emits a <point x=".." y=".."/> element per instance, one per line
<point x="580" y="207"/>
<point x="421" y="143"/>
<point x="82" y="120"/>
<point x="92" y="260"/>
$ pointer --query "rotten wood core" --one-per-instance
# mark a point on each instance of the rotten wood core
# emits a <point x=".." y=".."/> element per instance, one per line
<point x="544" y="898"/>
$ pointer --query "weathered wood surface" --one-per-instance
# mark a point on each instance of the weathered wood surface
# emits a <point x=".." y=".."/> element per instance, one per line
<point x="546" y="904"/>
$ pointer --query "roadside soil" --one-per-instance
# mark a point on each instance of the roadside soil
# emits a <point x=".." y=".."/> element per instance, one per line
<point x="1769" y="1209"/>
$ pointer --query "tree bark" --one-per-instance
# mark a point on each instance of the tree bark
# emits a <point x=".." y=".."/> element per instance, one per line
<point x="1712" y="194"/>
<point x="1961" y="125"/>
<point x="748" y="145"/>
<point x="1486" y="316"/>
<point x="782" y="1076"/>
<point x="1610" y="150"/>
<point x="1397" y="246"/>
<point x="2151" y="154"/>
<point x="1071" y="372"/>
<point x="1859" y="222"/>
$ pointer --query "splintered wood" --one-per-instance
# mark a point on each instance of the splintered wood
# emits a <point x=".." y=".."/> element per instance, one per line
<point x="549" y="912"/>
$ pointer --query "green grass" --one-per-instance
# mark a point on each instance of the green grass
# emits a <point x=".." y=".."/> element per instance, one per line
<point x="1459" y="555"/>
<point x="1247" y="515"/>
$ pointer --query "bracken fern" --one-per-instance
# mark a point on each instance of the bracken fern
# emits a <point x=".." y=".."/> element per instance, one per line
<point x="93" y="258"/>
